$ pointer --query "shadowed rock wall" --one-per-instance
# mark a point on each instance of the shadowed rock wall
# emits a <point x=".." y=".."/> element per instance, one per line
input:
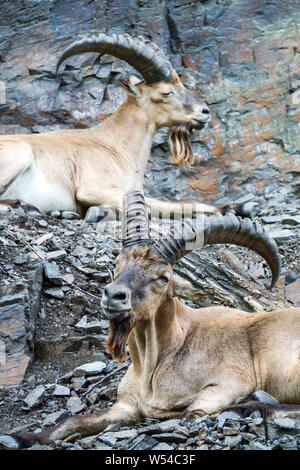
<point x="241" y="55"/>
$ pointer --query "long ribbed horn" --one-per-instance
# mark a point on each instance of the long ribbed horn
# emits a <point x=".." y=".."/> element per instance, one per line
<point x="217" y="229"/>
<point x="135" y="219"/>
<point x="142" y="54"/>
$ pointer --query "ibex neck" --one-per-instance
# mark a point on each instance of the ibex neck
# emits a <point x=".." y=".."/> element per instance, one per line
<point x="150" y="339"/>
<point x="129" y="133"/>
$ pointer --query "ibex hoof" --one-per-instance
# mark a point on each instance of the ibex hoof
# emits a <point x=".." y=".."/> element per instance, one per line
<point x="193" y="414"/>
<point x="6" y="204"/>
<point x="101" y="214"/>
<point x="31" y="210"/>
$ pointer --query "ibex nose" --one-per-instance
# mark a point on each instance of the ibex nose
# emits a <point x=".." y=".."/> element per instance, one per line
<point x="118" y="295"/>
<point x="203" y="116"/>
<point x="205" y="110"/>
<point x="116" y="300"/>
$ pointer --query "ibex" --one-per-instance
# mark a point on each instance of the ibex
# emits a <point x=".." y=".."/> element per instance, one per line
<point x="186" y="362"/>
<point x="80" y="168"/>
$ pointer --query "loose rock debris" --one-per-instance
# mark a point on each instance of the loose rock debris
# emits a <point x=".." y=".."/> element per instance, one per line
<point x="54" y="363"/>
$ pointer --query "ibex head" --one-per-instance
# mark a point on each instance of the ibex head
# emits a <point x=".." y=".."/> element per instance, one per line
<point x="143" y="277"/>
<point x="161" y="94"/>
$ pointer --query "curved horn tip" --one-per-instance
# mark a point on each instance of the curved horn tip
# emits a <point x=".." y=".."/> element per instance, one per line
<point x="233" y="230"/>
<point x="140" y="53"/>
<point x="275" y="273"/>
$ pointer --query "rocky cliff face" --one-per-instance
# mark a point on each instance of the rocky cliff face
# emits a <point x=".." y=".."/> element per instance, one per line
<point x="242" y="56"/>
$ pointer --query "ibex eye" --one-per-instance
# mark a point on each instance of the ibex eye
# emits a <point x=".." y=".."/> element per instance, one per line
<point x="169" y="93"/>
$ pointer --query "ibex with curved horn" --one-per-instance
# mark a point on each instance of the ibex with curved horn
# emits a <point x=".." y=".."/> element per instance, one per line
<point x="186" y="362"/>
<point x="77" y="169"/>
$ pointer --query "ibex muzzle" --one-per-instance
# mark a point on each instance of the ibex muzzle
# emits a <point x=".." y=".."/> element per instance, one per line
<point x="116" y="301"/>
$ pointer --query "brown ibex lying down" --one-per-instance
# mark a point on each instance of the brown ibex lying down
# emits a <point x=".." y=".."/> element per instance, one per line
<point x="77" y="169"/>
<point x="186" y="362"/>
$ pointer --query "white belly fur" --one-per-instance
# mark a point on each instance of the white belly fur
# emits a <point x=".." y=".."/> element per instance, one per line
<point x="33" y="187"/>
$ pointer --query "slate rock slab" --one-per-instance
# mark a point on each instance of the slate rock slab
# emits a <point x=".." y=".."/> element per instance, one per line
<point x="54" y="418"/>
<point x="19" y="305"/>
<point x="8" y="443"/>
<point x="92" y="368"/>
<point x="35" y="397"/>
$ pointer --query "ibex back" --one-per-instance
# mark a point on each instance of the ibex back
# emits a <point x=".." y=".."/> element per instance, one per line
<point x="186" y="362"/>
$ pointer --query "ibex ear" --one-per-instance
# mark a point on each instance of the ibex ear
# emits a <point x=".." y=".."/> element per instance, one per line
<point x="185" y="290"/>
<point x="174" y="76"/>
<point x="130" y="86"/>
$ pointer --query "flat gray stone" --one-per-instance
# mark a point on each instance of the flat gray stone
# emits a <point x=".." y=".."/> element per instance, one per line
<point x="68" y="278"/>
<point x="35" y="397"/>
<point x="103" y="71"/>
<point x="8" y="443"/>
<point x="203" y="447"/>
<point x="255" y="445"/>
<point x="281" y="236"/>
<point x="107" y="438"/>
<point x="222" y="417"/>
<point x="291" y="219"/>
<point x="288" y="443"/>
<point x="99" y="446"/>
<point x="67" y="377"/>
<point x="55" y="213"/>
<point x="144" y="443"/>
<point x="162" y="446"/>
<point x="52" y="274"/>
<point x="55" y="292"/>
<point x="272" y="219"/>
<point x="40" y="447"/>
<point x="233" y="441"/>
<point x="20" y="260"/>
<point x="82" y="324"/>
<point x="43" y="238"/>
<point x="149" y="430"/>
<point x="75" y="405"/>
<point x="91" y="368"/>
<point x="88" y="442"/>
<point x="19" y="306"/>
<point x="78" y="383"/>
<point x="42" y="223"/>
<point x="257" y="421"/>
<point x="286" y="423"/>
<point x="54" y="418"/>
<point x="170" y="437"/>
<point x="246" y="198"/>
<point x="169" y="425"/>
<point x="61" y="391"/>
<point x="58" y="254"/>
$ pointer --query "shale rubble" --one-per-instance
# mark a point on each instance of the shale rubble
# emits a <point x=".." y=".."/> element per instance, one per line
<point x="53" y="270"/>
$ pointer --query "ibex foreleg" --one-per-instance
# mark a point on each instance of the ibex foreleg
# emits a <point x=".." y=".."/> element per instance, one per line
<point x="122" y="413"/>
<point x="158" y="209"/>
